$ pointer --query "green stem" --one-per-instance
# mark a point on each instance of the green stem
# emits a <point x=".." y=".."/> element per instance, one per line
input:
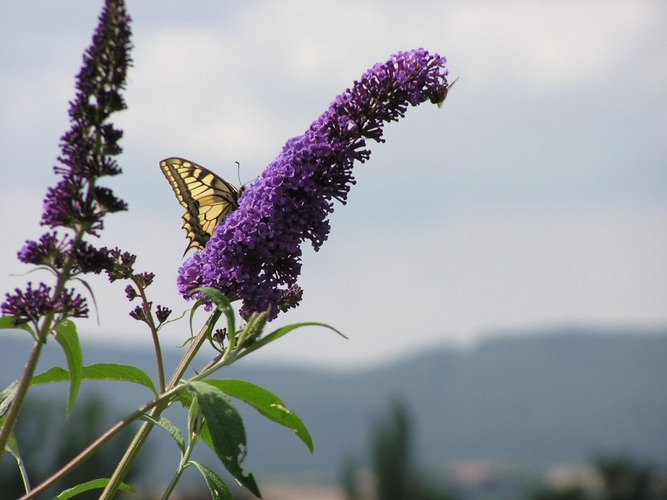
<point x="154" y="335"/>
<point x="26" y="379"/>
<point x="140" y="437"/>
<point x="181" y="467"/>
<point x="19" y="397"/>
<point x="97" y="444"/>
<point x="31" y="365"/>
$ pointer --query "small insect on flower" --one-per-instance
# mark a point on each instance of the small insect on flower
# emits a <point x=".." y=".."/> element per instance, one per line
<point x="207" y="198"/>
<point x="440" y="97"/>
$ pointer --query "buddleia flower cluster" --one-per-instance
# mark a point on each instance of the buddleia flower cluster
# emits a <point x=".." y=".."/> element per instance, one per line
<point x="76" y="206"/>
<point x="255" y="254"/>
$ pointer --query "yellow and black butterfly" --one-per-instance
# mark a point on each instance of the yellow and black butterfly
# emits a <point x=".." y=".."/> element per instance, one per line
<point x="207" y="198"/>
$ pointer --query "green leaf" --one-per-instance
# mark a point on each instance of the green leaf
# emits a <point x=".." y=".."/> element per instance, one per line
<point x="7" y="396"/>
<point x="217" y="487"/>
<point x="226" y="431"/>
<point x="95" y="484"/>
<point x="98" y="371"/>
<point x="55" y="374"/>
<point x="13" y="448"/>
<point x="253" y="329"/>
<point x="173" y="431"/>
<point x="122" y="373"/>
<point x="9" y="323"/>
<point x="68" y="339"/>
<point x="267" y="403"/>
<point x="280" y="332"/>
<point x="221" y="302"/>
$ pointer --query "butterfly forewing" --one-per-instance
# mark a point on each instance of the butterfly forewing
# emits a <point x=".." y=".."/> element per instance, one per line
<point x="207" y="198"/>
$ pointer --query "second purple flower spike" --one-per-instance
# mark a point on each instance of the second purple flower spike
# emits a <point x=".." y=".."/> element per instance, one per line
<point x="255" y="253"/>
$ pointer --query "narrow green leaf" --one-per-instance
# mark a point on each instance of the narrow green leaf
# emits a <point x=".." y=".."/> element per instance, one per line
<point x="68" y="338"/>
<point x="55" y="374"/>
<point x="221" y="302"/>
<point x="95" y="484"/>
<point x="173" y="431"/>
<point x="92" y="296"/>
<point x="280" y="332"/>
<point x="122" y="373"/>
<point x="13" y="448"/>
<point x="9" y="323"/>
<point x="226" y="430"/>
<point x="7" y="396"/>
<point x="217" y="487"/>
<point x="98" y="371"/>
<point x="267" y="403"/>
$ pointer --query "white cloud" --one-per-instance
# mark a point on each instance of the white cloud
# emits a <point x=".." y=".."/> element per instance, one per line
<point x="550" y="44"/>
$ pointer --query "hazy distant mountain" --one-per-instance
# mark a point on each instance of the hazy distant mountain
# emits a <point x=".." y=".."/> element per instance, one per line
<point x="558" y="396"/>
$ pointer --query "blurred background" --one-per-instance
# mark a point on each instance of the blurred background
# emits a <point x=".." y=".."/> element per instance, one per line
<point x="531" y="208"/>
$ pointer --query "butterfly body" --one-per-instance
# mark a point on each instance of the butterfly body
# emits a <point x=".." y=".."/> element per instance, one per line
<point x="206" y="197"/>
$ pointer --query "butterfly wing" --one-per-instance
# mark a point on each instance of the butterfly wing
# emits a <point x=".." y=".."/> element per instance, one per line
<point x="207" y="198"/>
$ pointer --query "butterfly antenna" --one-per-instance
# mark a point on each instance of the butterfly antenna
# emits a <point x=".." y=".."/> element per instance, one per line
<point x="453" y="82"/>
<point x="238" y="172"/>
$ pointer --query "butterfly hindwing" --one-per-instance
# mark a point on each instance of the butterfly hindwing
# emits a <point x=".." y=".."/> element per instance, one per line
<point x="207" y="198"/>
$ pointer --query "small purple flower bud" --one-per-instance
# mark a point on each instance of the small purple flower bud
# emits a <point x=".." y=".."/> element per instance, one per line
<point x="162" y="313"/>
<point x="122" y="267"/>
<point x="145" y="279"/>
<point x="130" y="293"/>
<point x="138" y="313"/>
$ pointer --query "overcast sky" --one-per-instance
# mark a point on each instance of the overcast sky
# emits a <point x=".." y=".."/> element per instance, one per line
<point x="536" y="197"/>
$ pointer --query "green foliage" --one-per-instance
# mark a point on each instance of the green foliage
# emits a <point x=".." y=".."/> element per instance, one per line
<point x="95" y="484"/>
<point x="9" y="323"/>
<point x="396" y="475"/>
<point x="171" y="429"/>
<point x="47" y="442"/>
<point x="227" y="433"/>
<point x="7" y="396"/>
<point x="621" y="478"/>
<point x="624" y="478"/>
<point x="68" y="338"/>
<point x="281" y="332"/>
<point x="98" y="371"/>
<point x="565" y="493"/>
<point x="392" y="455"/>
<point x="266" y="403"/>
<point x="216" y="486"/>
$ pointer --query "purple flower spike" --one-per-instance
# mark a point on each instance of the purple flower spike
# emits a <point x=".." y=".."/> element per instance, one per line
<point x="255" y="254"/>
<point x="77" y="203"/>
